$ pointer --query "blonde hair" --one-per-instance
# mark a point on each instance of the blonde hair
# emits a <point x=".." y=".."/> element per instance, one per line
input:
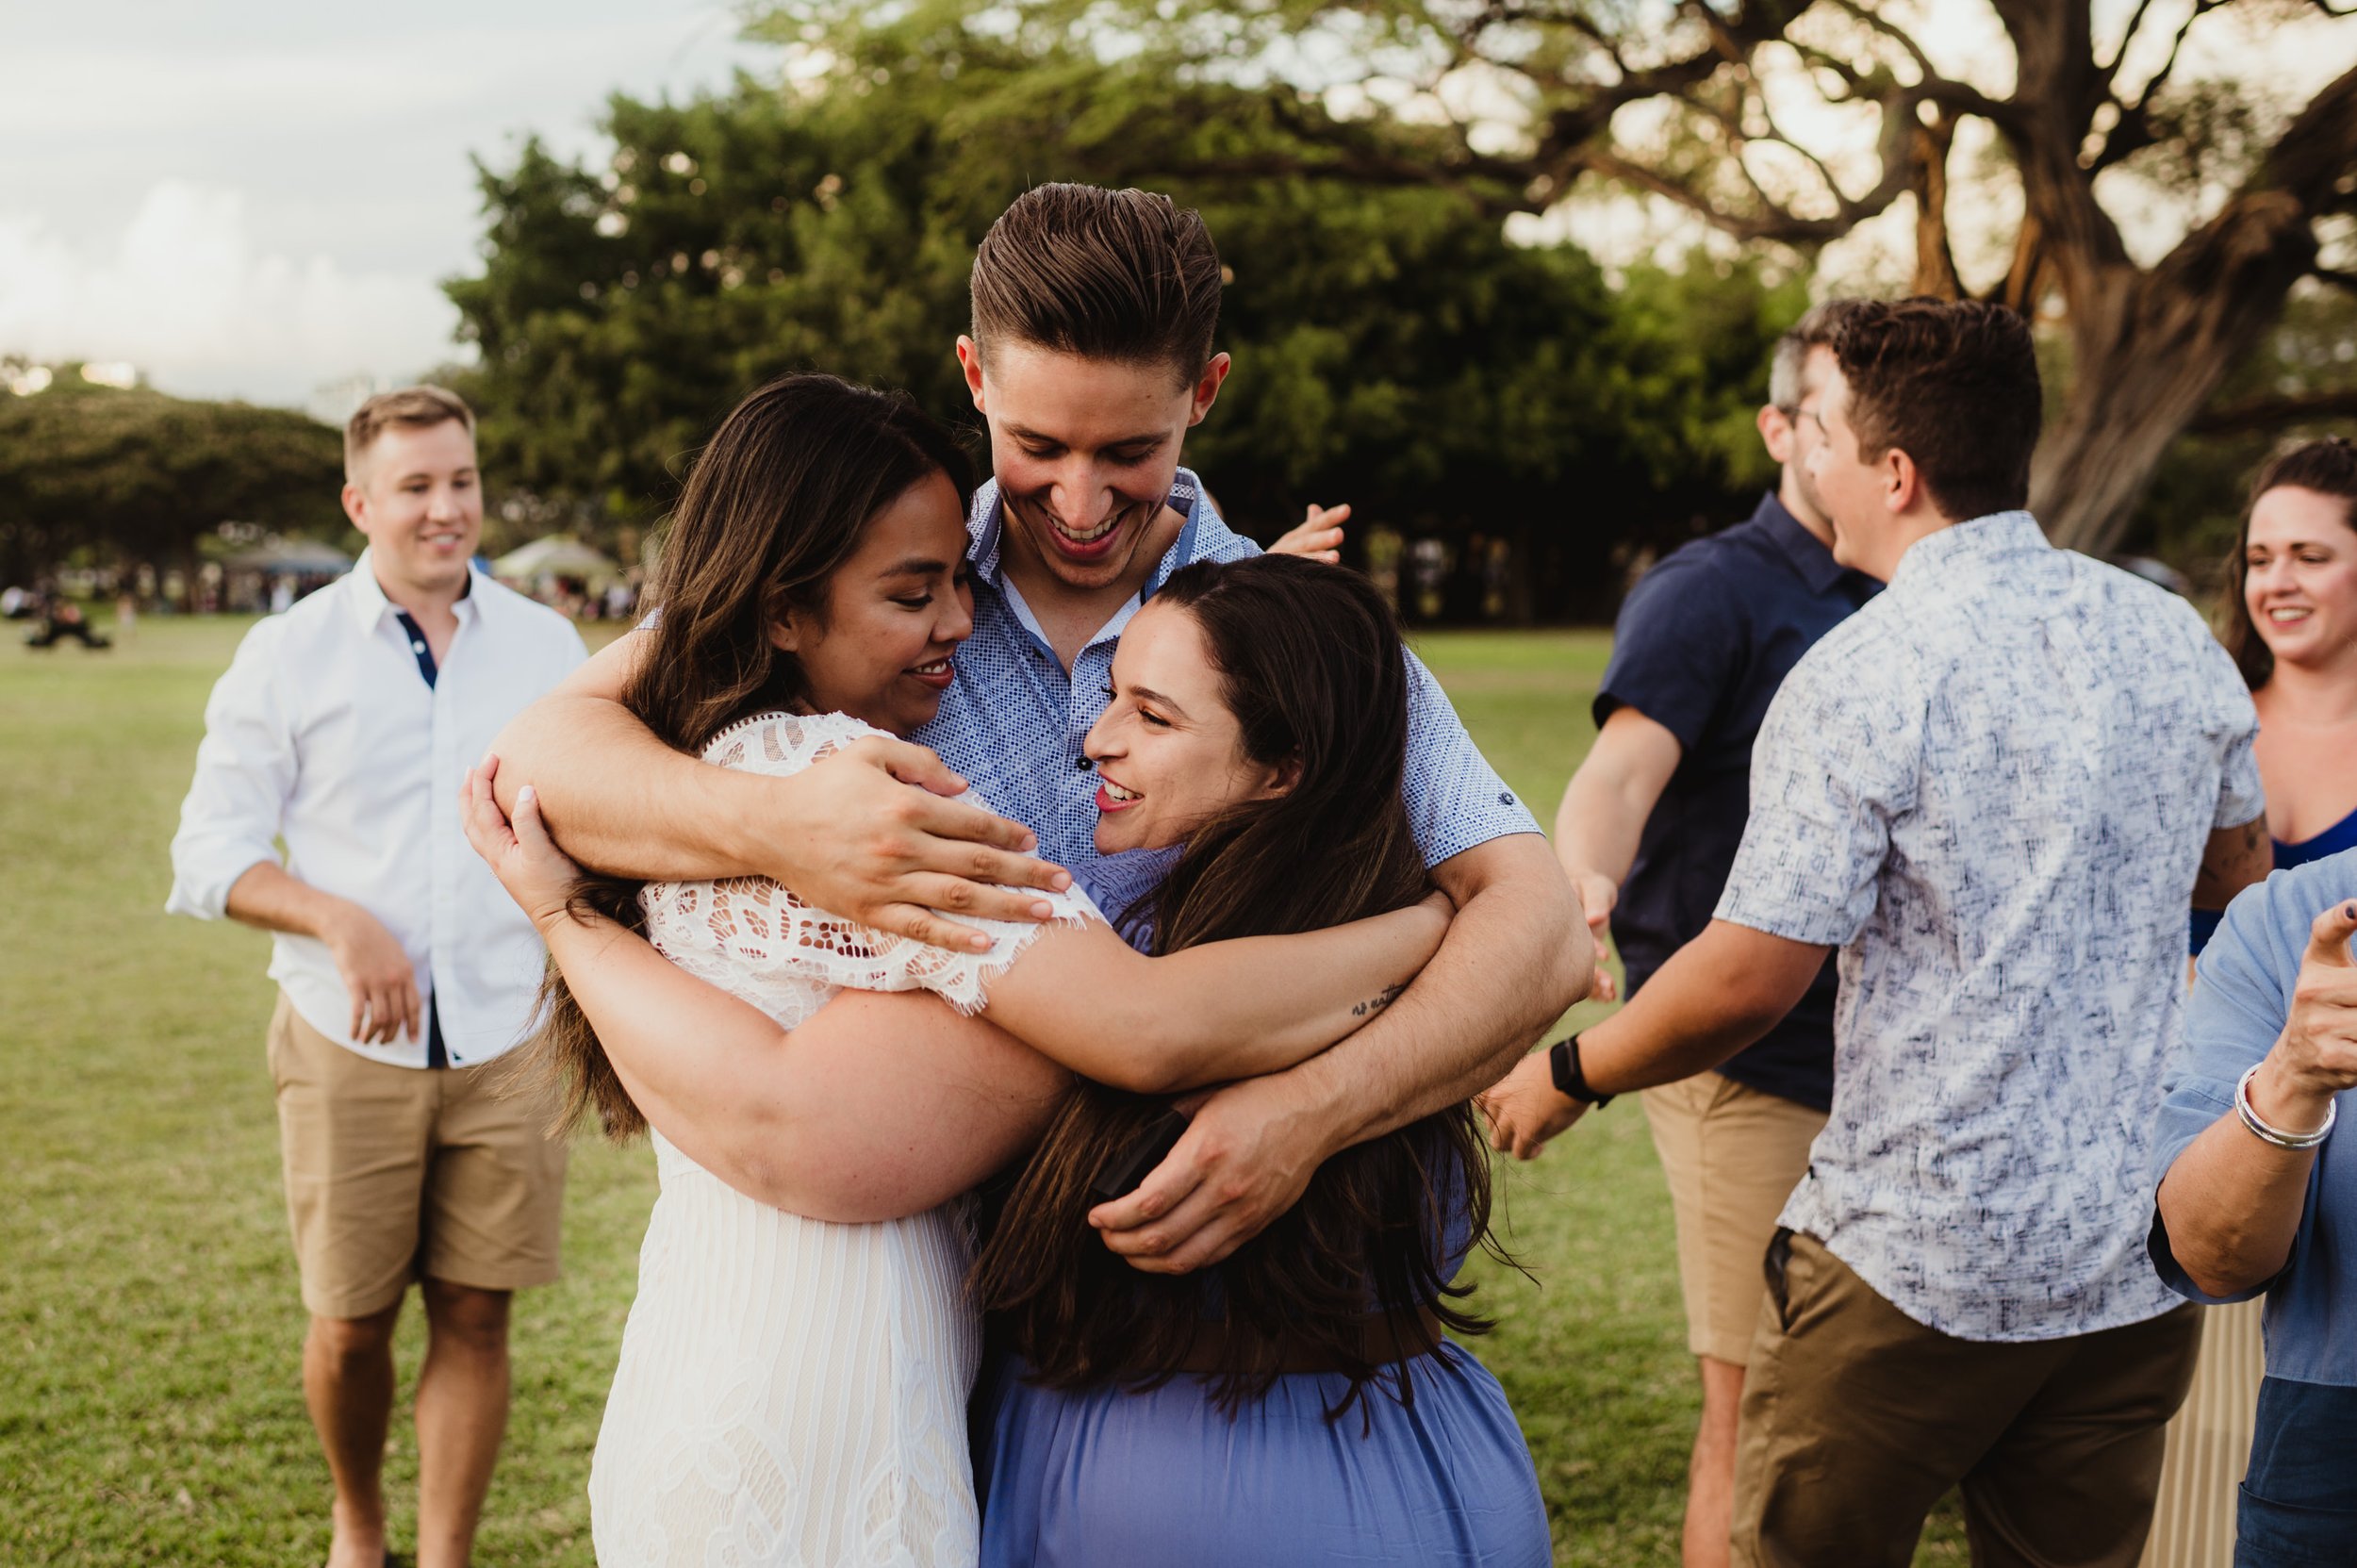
<point x="420" y="408"/>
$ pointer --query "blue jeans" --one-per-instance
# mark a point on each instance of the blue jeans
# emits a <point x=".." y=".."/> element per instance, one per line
<point x="2299" y="1498"/>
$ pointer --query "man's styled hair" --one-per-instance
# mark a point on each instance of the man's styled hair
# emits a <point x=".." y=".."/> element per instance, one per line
<point x="2328" y="466"/>
<point x="420" y="408"/>
<point x="1814" y="330"/>
<point x="1126" y="276"/>
<point x="1955" y="386"/>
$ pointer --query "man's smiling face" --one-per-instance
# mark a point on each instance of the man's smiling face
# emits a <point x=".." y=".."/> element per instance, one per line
<point x="1085" y="452"/>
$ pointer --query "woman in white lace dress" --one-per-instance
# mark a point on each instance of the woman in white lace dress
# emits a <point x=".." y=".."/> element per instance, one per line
<point x="793" y="1391"/>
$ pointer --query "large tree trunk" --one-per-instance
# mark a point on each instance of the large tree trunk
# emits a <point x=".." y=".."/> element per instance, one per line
<point x="2148" y="350"/>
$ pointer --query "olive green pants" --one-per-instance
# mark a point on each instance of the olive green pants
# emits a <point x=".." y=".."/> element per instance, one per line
<point x="1856" y="1419"/>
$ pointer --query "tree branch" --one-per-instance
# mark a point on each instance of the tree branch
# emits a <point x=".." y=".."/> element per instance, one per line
<point x="2133" y="131"/>
<point x="2272" y="413"/>
<point x="2127" y="41"/>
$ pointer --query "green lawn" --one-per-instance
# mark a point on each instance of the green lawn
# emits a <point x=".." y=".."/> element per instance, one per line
<point x="149" y="1325"/>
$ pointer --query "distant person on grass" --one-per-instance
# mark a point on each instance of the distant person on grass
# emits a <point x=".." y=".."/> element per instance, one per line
<point x="346" y="725"/>
<point x="1994" y="790"/>
<point x="1648" y="829"/>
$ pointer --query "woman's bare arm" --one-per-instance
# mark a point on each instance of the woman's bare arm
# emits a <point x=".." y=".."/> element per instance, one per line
<point x="885" y="1104"/>
<point x="1225" y="1010"/>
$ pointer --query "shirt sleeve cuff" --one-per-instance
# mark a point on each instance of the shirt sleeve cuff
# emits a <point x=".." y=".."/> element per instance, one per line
<point x="203" y="890"/>
<point x="1818" y="925"/>
<point x="2191" y="1109"/>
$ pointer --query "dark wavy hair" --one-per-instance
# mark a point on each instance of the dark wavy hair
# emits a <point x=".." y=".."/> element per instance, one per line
<point x="775" y="504"/>
<point x="1311" y="664"/>
<point x="2328" y="466"/>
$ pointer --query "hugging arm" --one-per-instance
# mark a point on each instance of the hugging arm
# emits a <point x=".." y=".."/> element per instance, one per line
<point x="885" y="1104"/>
<point x="1224" y="1010"/>
<point x="1516" y="956"/>
<point x="868" y="832"/>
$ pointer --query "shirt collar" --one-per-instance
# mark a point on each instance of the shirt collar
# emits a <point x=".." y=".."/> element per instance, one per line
<point x="986" y="528"/>
<point x="1805" y="551"/>
<point x="370" y="606"/>
<point x="1981" y="538"/>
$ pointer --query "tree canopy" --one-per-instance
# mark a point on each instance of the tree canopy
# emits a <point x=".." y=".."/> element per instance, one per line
<point x="130" y="476"/>
<point x="1394" y="349"/>
<point x="1701" y="103"/>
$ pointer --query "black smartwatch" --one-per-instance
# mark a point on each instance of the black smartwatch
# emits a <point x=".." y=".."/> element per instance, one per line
<point x="1563" y="1061"/>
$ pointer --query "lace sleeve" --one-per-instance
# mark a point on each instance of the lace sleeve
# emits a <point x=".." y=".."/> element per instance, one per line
<point x="756" y="938"/>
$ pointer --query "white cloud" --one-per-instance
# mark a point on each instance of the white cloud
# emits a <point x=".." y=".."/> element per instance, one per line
<point x="187" y="295"/>
<point x="256" y="200"/>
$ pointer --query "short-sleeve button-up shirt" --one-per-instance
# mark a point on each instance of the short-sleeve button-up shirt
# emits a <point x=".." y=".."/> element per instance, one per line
<point x="1013" y="720"/>
<point x="1992" y="789"/>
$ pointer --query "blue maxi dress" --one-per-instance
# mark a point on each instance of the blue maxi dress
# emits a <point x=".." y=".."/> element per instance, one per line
<point x="1165" y="1479"/>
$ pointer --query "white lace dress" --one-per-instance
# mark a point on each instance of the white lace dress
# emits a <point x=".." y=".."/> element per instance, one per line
<point x="793" y="1392"/>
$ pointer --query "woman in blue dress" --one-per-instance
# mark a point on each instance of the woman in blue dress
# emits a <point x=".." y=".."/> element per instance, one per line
<point x="2294" y="632"/>
<point x="1298" y="1403"/>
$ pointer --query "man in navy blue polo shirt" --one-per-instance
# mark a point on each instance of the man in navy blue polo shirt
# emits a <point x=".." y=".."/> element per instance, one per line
<point x="1648" y="829"/>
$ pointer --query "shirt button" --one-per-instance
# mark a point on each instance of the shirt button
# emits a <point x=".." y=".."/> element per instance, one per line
<point x="1083" y="763"/>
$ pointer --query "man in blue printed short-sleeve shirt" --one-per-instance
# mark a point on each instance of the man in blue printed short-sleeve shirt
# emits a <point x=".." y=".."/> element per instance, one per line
<point x="1994" y="790"/>
<point x="1092" y="356"/>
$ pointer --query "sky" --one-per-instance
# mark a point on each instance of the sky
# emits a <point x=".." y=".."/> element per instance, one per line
<point x="260" y="199"/>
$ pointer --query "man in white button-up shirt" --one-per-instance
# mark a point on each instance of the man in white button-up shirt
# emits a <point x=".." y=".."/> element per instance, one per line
<point x="346" y="726"/>
<point x="1994" y="790"/>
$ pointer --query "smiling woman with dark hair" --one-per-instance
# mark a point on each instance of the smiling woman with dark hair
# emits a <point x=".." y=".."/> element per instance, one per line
<point x="2292" y="627"/>
<point x="1296" y="1402"/>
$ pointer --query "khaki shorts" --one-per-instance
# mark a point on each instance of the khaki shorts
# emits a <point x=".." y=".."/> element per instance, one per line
<point x="402" y="1173"/>
<point x="1733" y="1155"/>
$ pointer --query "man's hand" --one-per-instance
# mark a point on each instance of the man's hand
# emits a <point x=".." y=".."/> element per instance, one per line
<point x="1598" y="892"/>
<point x="378" y="975"/>
<point x="1318" y="536"/>
<point x="1525" y="1109"/>
<point x="2315" y="1056"/>
<point x="1244" y="1159"/>
<point x="876" y="837"/>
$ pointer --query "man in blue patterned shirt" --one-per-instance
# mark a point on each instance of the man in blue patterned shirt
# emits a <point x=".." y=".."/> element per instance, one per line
<point x="1091" y="359"/>
<point x="1994" y="790"/>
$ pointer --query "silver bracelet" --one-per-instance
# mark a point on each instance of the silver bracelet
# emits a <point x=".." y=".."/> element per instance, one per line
<point x="2264" y="1131"/>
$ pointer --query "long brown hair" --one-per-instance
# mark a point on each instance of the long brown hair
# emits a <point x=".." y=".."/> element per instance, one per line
<point x="774" y="506"/>
<point x="2328" y="466"/>
<point x="1311" y="663"/>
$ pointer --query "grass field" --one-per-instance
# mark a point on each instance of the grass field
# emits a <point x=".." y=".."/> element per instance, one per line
<point x="148" y="1323"/>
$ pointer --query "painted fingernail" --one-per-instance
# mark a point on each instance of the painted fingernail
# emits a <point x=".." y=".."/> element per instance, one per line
<point x="1061" y="881"/>
<point x="525" y="797"/>
<point x="1042" y="909"/>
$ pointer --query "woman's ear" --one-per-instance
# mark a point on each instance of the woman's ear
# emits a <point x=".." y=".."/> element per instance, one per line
<point x="1282" y="779"/>
<point x="786" y="631"/>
